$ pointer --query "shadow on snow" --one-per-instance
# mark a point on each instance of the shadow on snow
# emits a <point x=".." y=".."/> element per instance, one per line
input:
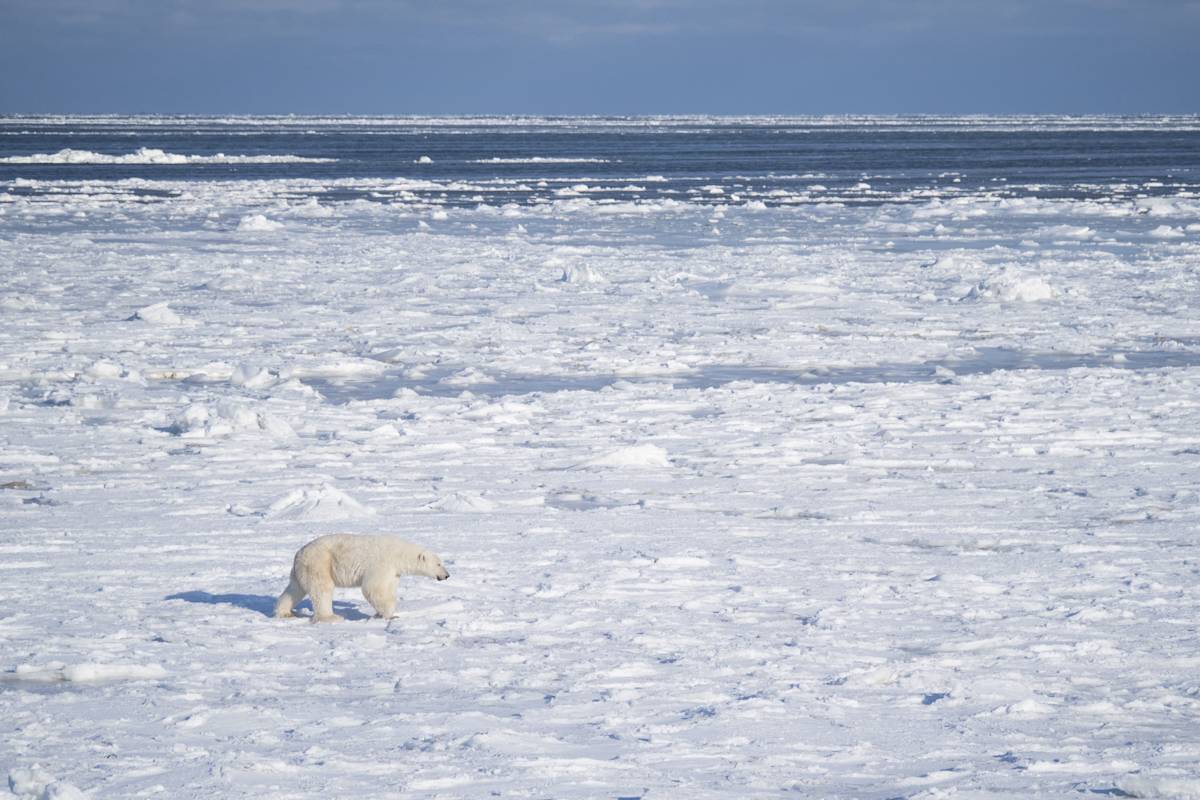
<point x="262" y="603"/>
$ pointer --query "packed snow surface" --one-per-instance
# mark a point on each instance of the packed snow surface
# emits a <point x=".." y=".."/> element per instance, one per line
<point x="789" y="482"/>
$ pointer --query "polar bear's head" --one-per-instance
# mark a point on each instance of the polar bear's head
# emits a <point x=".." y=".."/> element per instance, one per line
<point x="431" y="566"/>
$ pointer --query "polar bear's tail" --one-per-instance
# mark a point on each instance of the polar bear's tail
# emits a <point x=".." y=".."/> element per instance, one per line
<point x="292" y="595"/>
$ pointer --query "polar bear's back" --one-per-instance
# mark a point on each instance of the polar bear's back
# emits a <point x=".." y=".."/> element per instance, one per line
<point x="345" y="558"/>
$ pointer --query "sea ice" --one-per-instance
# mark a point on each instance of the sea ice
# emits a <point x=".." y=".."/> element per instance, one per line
<point x="766" y="512"/>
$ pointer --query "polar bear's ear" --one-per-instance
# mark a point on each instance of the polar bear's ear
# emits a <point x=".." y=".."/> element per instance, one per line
<point x="421" y="558"/>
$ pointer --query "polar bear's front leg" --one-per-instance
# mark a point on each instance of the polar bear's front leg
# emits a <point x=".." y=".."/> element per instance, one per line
<point x="322" y="601"/>
<point x="379" y="587"/>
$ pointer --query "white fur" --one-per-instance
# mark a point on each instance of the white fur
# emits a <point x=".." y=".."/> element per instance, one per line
<point x="373" y="562"/>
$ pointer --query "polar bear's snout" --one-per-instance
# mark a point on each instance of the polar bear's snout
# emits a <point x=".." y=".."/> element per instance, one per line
<point x="433" y="566"/>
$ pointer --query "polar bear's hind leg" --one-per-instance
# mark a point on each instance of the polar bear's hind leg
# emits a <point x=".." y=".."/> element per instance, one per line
<point x="322" y="601"/>
<point x="292" y="595"/>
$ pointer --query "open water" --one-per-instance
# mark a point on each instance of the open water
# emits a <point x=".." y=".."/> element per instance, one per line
<point x="466" y="161"/>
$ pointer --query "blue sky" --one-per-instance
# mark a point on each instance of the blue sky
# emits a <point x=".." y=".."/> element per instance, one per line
<point x="599" y="56"/>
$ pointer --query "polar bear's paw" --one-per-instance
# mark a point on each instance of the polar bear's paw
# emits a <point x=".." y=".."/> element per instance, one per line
<point x="328" y="618"/>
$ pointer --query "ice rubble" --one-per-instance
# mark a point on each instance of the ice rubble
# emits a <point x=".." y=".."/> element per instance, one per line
<point x="34" y="783"/>
<point x="227" y="418"/>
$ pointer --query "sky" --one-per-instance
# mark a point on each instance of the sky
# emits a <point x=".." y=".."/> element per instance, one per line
<point x="599" y="56"/>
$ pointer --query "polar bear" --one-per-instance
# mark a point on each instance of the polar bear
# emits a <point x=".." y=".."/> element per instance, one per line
<point x="373" y="562"/>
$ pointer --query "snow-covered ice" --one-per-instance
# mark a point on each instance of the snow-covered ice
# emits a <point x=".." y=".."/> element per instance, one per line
<point x="832" y="494"/>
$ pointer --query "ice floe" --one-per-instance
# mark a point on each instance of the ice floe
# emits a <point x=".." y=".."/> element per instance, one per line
<point x="151" y="155"/>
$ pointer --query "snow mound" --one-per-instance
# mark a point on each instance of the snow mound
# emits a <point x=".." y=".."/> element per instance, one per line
<point x="252" y="376"/>
<point x="200" y="421"/>
<point x="37" y="784"/>
<point x="424" y="160"/>
<point x="637" y="456"/>
<point x="61" y="790"/>
<point x="152" y="155"/>
<point x="1167" y="232"/>
<point x="311" y="209"/>
<point x="87" y="672"/>
<point x="158" y="314"/>
<point x="385" y="432"/>
<point x="581" y="274"/>
<point x="257" y="223"/>
<point x="1012" y="287"/>
<point x="1158" y="207"/>
<point x="463" y="503"/>
<point x="90" y="673"/>
<point x="1163" y="788"/>
<point x="322" y="503"/>
<point x="104" y="368"/>
<point x="1080" y="232"/>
